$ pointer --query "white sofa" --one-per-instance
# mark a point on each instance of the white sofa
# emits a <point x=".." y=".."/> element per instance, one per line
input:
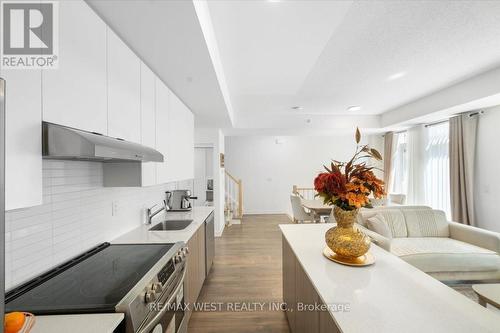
<point x="421" y="236"/>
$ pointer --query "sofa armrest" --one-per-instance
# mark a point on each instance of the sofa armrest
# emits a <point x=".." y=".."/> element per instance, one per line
<point x="483" y="238"/>
<point x="378" y="239"/>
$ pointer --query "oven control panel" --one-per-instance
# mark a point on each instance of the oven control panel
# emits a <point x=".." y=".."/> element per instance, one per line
<point x="165" y="272"/>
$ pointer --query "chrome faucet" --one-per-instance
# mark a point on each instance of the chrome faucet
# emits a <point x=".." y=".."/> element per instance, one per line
<point x="150" y="214"/>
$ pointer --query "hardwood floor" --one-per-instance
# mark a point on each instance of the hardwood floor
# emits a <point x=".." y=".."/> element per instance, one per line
<point x="247" y="269"/>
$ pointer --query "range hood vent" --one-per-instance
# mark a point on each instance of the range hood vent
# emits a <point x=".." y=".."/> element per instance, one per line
<point x="66" y="143"/>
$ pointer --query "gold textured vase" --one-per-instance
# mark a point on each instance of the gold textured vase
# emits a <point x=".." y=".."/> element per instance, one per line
<point x="345" y="239"/>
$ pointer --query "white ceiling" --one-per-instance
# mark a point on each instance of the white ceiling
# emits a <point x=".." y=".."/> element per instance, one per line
<point x="328" y="55"/>
<point x="242" y="64"/>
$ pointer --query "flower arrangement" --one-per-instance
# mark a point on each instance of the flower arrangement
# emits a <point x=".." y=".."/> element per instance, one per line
<point x="348" y="185"/>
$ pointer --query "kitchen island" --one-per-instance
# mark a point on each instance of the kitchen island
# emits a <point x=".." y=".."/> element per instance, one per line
<point x="389" y="296"/>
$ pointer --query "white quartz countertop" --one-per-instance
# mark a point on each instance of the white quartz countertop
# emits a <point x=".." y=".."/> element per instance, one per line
<point x="142" y="234"/>
<point x="85" y="323"/>
<point x="389" y="296"/>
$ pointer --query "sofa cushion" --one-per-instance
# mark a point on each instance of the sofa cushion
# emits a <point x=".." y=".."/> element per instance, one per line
<point x="395" y="220"/>
<point x="437" y="254"/>
<point x="426" y="223"/>
<point x="366" y="213"/>
<point x="377" y="224"/>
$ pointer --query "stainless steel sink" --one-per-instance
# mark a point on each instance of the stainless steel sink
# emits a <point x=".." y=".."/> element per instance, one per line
<point x="171" y="225"/>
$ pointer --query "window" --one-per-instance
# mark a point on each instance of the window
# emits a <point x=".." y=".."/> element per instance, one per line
<point x="399" y="164"/>
<point x="427" y="180"/>
<point x="437" y="167"/>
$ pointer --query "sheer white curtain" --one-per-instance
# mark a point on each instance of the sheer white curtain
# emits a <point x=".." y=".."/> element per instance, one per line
<point x="415" y="174"/>
<point x="420" y="167"/>
<point x="399" y="181"/>
<point x="437" y="167"/>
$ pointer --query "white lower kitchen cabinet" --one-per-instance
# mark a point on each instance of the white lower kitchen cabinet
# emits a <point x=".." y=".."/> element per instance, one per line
<point x="23" y="138"/>
<point x="124" y="90"/>
<point x="75" y="94"/>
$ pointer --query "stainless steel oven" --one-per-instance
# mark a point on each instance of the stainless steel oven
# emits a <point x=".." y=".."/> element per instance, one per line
<point x="143" y="281"/>
<point x="167" y="314"/>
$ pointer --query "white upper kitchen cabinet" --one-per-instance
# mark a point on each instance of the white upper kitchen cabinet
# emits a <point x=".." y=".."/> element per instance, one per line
<point x="163" y="173"/>
<point x="75" y="94"/>
<point x="148" y="122"/>
<point x="175" y="134"/>
<point x="23" y="138"/>
<point x="181" y="132"/>
<point x="124" y="90"/>
<point x="188" y="170"/>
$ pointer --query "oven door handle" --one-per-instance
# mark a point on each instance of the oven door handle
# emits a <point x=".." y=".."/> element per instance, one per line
<point x="151" y="323"/>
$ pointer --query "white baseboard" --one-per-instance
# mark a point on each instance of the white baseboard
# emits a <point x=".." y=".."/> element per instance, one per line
<point x="264" y="213"/>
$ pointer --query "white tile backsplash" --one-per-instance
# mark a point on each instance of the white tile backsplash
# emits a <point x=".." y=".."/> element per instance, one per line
<point x="76" y="215"/>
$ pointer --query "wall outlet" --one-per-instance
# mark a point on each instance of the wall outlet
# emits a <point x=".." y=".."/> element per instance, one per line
<point x="114" y="208"/>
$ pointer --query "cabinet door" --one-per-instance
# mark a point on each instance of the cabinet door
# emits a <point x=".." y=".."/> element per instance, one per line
<point x="305" y="320"/>
<point x="188" y="154"/>
<point x="23" y="134"/>
<point x="162" y="139"/>
<point x="181" y="134"/>
<point x="191" y="279"/>
<point x="176" y="138"/>
<point x="289" y="298"/>
<point x="148" y="122"/>
<point x="201" y="256"/>
<point x="75" y="94"/>
<point x="124" y="90"/>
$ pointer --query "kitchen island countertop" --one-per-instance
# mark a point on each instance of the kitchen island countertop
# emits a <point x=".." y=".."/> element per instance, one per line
<point x="389" y="296"/>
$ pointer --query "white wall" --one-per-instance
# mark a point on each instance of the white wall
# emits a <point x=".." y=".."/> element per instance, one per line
<point x="269" y="170"/>
<point x="76" y="215"/>
<point x="487" y="184"/>
<point x="213" y="137"/>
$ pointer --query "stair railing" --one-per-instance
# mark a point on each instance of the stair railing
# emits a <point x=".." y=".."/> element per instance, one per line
<point x="234" y="195"/>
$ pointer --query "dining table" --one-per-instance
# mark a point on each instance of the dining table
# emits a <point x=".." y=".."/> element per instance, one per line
<point x="317" y="207"/>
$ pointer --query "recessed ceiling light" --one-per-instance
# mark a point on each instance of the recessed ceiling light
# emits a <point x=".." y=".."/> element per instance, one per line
<point x="296" y="107"/>
<point x="354" y="108"/>
<point x="396" y="76"/>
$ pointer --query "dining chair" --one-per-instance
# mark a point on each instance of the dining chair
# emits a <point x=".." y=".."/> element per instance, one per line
<point x="299" y="213"/>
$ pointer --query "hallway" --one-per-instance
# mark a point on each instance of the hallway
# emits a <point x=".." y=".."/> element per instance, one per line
<point x="246" y="270"/>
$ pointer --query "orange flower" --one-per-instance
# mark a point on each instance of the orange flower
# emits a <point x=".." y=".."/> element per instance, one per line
<point x="357" y="200"/>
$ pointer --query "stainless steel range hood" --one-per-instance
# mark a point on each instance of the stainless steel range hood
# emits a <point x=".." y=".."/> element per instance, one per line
<point x="66" y="143"/>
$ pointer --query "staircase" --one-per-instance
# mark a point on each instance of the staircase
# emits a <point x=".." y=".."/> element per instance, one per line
<point x="233" y="208"/>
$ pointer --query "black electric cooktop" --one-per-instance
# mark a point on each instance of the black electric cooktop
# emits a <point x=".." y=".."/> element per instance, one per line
<point x="95" y="281"/>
